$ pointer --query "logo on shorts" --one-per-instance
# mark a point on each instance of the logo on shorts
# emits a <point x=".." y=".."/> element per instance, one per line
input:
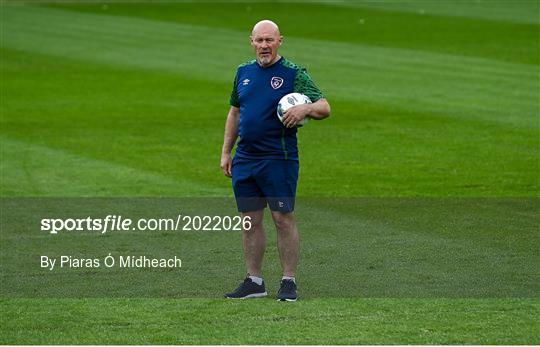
<point x="280" y="203"/>
<point x="276" y="82"/>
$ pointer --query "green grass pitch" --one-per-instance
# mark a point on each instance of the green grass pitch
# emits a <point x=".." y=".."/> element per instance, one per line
<point x="418" y="198"/>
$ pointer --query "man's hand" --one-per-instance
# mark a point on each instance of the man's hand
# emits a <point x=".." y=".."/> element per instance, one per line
<point x="295" y="114"/>
<point x="226" y="164"/>
<point x="320" y="109"/>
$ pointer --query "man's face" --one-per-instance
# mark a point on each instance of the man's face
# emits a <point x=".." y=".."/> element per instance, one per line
<point x="265" y="42"/>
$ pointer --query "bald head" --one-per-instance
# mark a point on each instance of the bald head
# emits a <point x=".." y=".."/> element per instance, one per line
<point x="265" y="26"/>
<point x="265" y="40"/>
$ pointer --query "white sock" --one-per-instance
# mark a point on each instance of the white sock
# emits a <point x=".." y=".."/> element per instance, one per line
<point x="257" y="280"/>
<point x="289" y="278"/>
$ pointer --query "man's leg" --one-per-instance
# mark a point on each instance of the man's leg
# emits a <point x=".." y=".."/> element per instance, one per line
<point x="288" y="241"/>
<point x="254" y="241"/>
<point x="249" y="198"/>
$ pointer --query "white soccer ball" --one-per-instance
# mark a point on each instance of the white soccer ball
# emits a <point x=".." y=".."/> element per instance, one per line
<point x="289" y="101"/>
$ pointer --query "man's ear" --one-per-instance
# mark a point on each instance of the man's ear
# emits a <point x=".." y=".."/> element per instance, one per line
<point x="280" y="40"/>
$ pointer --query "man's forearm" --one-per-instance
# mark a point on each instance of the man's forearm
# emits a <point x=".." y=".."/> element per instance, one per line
<point x="319" y="109"/>
<point x="231" y="131"/>
<point x="228" y="144"/>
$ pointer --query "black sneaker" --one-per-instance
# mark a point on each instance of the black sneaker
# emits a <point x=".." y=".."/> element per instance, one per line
<point x="248" y="289"/>
<point x="287" y="291"/>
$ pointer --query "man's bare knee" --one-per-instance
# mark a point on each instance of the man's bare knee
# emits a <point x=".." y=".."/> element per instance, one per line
<point x="284" y="221"/>
<point x="256" y="220"/>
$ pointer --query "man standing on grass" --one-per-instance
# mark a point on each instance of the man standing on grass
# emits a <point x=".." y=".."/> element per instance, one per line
<point x="264" y="170"/>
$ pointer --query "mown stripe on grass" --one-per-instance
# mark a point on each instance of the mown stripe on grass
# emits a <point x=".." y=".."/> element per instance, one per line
<point x="429" y="247"/>
<point x="522" y="11"/>
<point x="499" y="40"/>
<point x="37" y="170"/>
<point x="265" y="321"/>
<point x="459" y="86"/>
<point x="107" y="27"/>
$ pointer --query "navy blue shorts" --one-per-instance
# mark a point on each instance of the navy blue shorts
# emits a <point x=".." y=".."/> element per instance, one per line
<point x="261" y="182"/>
